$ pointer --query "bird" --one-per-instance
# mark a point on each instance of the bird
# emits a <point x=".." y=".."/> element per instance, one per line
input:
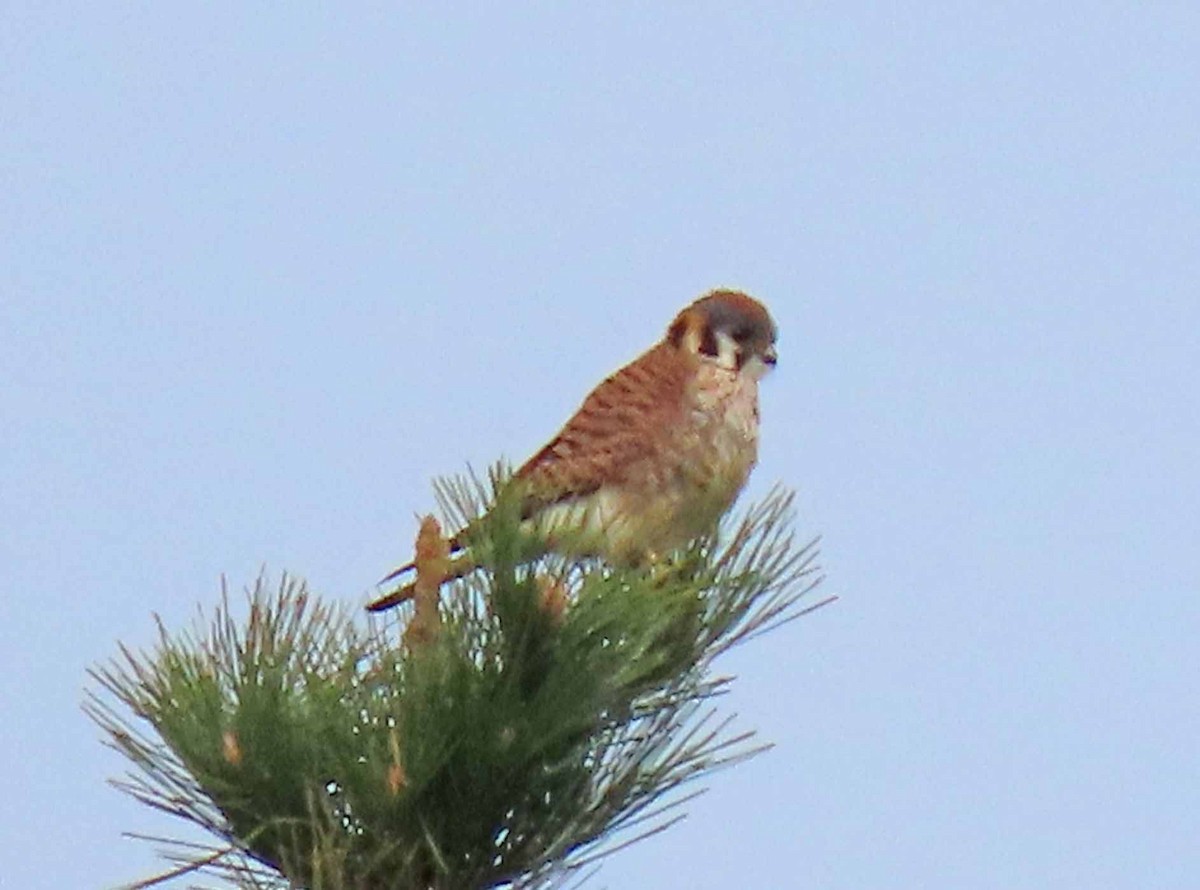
<point x="656" y="453"/>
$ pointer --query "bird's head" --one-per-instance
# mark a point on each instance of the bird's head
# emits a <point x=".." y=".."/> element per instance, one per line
<point x="729" y="328"/>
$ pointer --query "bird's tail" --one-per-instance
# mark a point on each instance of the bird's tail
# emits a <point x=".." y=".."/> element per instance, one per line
<point x="461" y="565"/>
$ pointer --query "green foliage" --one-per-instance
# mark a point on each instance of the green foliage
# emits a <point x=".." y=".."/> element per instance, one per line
<point x="511" y="750"/>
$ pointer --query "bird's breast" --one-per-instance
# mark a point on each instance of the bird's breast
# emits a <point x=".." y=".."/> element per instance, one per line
<point x="726" y="416"/>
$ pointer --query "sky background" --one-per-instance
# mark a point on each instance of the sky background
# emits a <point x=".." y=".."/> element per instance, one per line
<point x="265" y="271"/>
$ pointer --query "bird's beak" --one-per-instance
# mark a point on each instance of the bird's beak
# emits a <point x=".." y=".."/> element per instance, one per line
<point x="770" y="357"/>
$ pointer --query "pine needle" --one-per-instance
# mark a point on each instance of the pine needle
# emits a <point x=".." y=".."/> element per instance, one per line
<point x="553" y="713"/>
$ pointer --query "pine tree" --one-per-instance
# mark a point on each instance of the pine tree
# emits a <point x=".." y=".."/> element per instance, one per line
<point x="537" y="715"/>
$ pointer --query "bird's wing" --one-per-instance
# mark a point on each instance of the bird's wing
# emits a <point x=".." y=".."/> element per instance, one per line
<point x="622" y="422"/>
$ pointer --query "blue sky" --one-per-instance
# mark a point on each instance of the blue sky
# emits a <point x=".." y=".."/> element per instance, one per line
<point x="264" y="272"/>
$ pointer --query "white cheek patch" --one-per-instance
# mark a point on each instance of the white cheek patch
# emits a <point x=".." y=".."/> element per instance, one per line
<point x="727" y="351"/>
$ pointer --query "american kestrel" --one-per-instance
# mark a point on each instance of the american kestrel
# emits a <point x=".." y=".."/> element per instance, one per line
<point x="658" y="451"/>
